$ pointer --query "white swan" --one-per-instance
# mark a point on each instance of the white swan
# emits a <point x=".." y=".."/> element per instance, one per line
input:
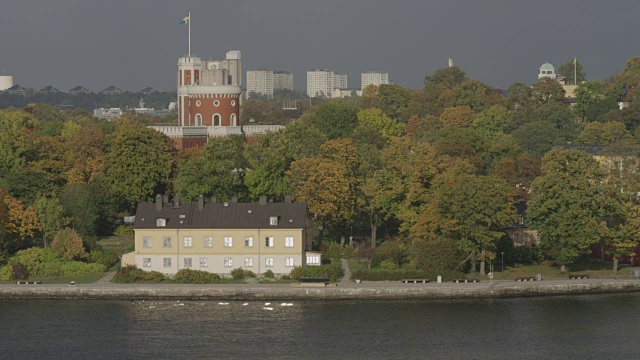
<point x="267" y="308"/>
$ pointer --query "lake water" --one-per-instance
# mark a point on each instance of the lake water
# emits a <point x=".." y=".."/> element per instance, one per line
<point x="581" y="327"/>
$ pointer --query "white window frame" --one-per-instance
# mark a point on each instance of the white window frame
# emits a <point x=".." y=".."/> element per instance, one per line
<point x="146" y="262"/>
<point x="166" y="262"/>
<point x="166" y="240"/>
<point x="188" y="241"/>
<point x="248" y="241"/>
<point x="147" y="242"/>
<point x="288" y="262"/>
<point x="228" y="241"/>
<point x="188" y="262"/>
<point x="248" y="262"/>
<point x="288" y="241"/>
<point x="268" y="241"/>
<point x="228" y="262"/>
<point x="207" y="241"/>
<point x="273" y="220"/>
<point x="160" y="222"/>
<point x="204" y="262"/>
<point x="268" y="262"/>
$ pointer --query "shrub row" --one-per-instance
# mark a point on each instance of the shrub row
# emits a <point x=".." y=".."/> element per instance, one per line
<point x="188" y="276"/>
<point x="396" y="275"/>
<point x="240" y="273"/>
<point x="131" y="274"/>
<point x="333" y="272"/>
<point x="44" y="263"/>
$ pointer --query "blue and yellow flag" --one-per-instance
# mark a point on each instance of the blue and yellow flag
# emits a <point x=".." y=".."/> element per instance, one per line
<point x="185" y="20"/>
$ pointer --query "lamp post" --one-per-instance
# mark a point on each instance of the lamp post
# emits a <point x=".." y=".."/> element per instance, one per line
<point x="502" y="253"/>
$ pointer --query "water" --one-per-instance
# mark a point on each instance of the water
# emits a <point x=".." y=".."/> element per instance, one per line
<point x="583" y="327"/>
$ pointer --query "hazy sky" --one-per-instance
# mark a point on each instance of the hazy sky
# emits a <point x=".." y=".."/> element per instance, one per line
<point x="134" y="43"/>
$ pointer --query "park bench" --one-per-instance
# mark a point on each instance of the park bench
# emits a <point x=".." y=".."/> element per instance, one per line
<point x="28" y="282"/>
<point x="415" y="281"/>
<point x="578" y="277"/>
<point x="526" y="279"/>
<point x="460" y="281"/>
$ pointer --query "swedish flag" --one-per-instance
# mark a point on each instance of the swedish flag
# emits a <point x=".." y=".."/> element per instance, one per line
<point x="185" y="20"/>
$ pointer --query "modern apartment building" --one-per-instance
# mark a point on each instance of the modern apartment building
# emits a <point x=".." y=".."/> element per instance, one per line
<point x="376" y="78"/>
<point x="260" y="82"/>
<point x="282" y="80"/>
<point x="320" y="82"/>
<point x="340" y="81"/>
<point x="219" y="237"/>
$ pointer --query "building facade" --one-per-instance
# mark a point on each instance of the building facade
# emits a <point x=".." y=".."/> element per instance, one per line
<point x="376" y="78"/>
<point x="282" y="80"/>
<point x="547" y="70"/>
<point x="219" y="237"/>
<point x="340" y="81"/>
<point x="260" y="82"/>
<point x="320" y="83"/>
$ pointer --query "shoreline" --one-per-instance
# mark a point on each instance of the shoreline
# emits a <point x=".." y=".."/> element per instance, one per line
<point x="343" y="291"/>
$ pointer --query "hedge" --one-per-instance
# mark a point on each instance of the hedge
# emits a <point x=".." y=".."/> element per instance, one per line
<point x="188" y="276"/>
<point x="396" y="275"/>
<point x="333" y="272"/>
<point x="131" y="274"/>
<point x="45" y="263"/>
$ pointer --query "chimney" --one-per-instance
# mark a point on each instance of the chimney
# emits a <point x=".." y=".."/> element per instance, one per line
<point x="176" y="202"/>
<point x="200" y="202"/>
<point x="214" y="199"/>
<point x="234" y="199"/>
<point x="263" y="200"/>
<point x="287" y="198"/>
<point x="158" y="202"/>
<point x="165" y="199"/>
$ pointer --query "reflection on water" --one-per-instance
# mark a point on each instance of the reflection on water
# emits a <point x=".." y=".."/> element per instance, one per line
<point x="603" y="326"/>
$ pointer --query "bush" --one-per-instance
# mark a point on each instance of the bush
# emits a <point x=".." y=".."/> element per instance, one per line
<point x="387" y="265"/>
<point x="249" y="274"/>
<point x="237" y="273"/>
<point x="349" y="252"/>
<point x="107" y="258"/>
<point x="123" y="231"/>
<point x="19" y="272"/>
<point x="68" y="245"/>
<point x="269" y="274"/>
<point x="285" y="277"/>
<point x="45" y="262"/>
<point x="333" y="251"/>
<point x="396" y="275"/>
<point x="131" y="274"/>
<point x="188" y="276"/>
<point x="333" y="272"/>
<point x="6" y="272"/>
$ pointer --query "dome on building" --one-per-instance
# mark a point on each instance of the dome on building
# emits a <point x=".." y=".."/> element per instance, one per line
<point x="547" y="66"/>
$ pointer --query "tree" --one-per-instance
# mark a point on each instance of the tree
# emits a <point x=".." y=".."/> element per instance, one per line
<point x="472" y="93"/>
<point x="536" y="138"/>
<point x="394" y="101"/>
<point x="568" y="205"/>
<point x="546" y="91"/>
<point x="139" y="163"/>
<point x="49" y="212"/>
<point x="21" y="220"/>
<point x="595" y="133"/>
<point x="623" y="230"/>
<point x="380" y="122"/>
<point x="68" y="245"/>
<point x="335" y="118"/>
<point x="520" y="97"/>
<point x="588" y="95"/>
<point x="570" y="69"/>
<point x="459" y="116"/>
<point x="450" y="76"/>
<point x="493" y="121"/>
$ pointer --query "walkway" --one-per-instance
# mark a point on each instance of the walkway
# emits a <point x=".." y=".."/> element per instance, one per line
<point x="347" y="273"/>
<point x="106" y="279"/>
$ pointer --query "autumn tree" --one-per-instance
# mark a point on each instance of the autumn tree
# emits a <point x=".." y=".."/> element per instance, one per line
<point x="459" y="116"/>
<point x="21" y="220"/>
<point x="546" y="91"/>
<point x="377" y="120"/>
<point x="68" y="245"/>
<point x="595" y="133"/>
<point x="567" y="224"/>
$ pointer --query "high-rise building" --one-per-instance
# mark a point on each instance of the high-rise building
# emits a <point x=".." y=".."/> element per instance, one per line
<point x="320" y="82"/>
<point x="260" y="82"/>
<point x="340" y="81"/>
<point x="282" y="80"/>
<point x="5" y="82"/>
<point x="376" y="78"/>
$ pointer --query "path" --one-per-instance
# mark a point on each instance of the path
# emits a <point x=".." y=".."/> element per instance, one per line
<point x="106" y="279"/>
<point x="347" y="273"/>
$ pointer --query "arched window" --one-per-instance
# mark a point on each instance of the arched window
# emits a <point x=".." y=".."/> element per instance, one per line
<point x="233" y="120"/>
<point x="198" y="120"/>
<point x="216" y="120"/>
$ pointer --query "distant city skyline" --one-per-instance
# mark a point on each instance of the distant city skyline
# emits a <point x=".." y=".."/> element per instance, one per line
<point x="132" y="45"/>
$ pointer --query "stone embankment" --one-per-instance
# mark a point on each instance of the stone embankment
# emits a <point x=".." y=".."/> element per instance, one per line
<point x="344" y="291"/>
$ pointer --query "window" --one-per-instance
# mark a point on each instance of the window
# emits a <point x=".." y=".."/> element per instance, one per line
<point x="526" y="237"/>
<point x="204" y="262"/>
<point x="516" y="237"/>
<point x="233" y="103"/>
<point x="188" y="241"/>
<point x="208" y="241"/>
<point x="166" y="262"/>
<point x="288" y="241"/>
<point x="166" y="241"/>
<point x="146" y="262"/>
<point x="268" y="241"/>
<point x="521" y="220"/>
<point x="273" y="220"/>
<point x="216" y="120"/>
<point x="248" y="241"/>
<point x="198" y="119"/>
<point x="216" y="103"/>
<point x="232" y="120"/>
<point x="187" y="262"/>
<point x="268" y="262"/>
<point x="228" y="262"/>
<point x="228" y="241"/>
<point x="146" y="242"/>
<point x="198" y="103"/>
<point x="288" y="262"/>
<point x="161" y="222"/>
<point x="248" y="262"/>
<point x="313" y="259"/>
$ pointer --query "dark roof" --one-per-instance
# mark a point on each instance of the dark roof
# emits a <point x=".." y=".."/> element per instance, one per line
<point x="49" y="88"/>
<point x="16" y="87"/>
<point x="230" y="215"/>
<point x="111" y="89"/>
<point x="79" y="88"/>
<point x="148" y="90"/>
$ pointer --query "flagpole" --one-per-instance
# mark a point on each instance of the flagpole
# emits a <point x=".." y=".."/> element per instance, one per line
<point x="575" y="71"/>
<point x="189" y="22"/>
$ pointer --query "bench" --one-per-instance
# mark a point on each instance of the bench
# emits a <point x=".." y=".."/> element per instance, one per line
<point x="526" y="279"/>
<point x="415" y="281"/>
<point x="460" y="281"/>
<point x="578" y="277"/>
<point x="29" y="282"/>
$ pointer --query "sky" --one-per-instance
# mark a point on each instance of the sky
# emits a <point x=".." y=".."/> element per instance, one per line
<point x="133" y="44"/>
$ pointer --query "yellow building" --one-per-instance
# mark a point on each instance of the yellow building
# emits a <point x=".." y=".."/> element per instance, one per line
<point x="219" y="237"/>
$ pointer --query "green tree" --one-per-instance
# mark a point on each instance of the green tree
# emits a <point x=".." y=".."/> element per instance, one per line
<point x="50" y="216"/>
<point x="449" y="76"/>
<point x="493" y="121"/>
<point x="536" y="138"/>
<point x="570" y="70"/>
<point x="520" y="97"/>
<point x="139" y="163"/>
<point x="459" y="116"/>
<point x="546" y="91"/>
<point x="568" y="204"/>
<point x="588" y="95"/>
<point x="336" y="118"/>
<point x="380" y="122"/>
<point x="595" y="133"/>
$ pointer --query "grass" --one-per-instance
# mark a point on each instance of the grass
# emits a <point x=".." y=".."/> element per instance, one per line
<point x="79" y="279"/>
<point x="549" y="270"/>
<point x="122" y="244"/>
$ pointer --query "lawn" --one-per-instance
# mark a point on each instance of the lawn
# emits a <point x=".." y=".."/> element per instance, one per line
<point x="549" y="270"/>
<point x="79" y="279"/>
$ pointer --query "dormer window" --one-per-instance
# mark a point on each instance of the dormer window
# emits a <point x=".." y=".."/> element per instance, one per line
<point x="273" y="220"/>
<point x="521" y="220"/>
<point x="160" y="222"/>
